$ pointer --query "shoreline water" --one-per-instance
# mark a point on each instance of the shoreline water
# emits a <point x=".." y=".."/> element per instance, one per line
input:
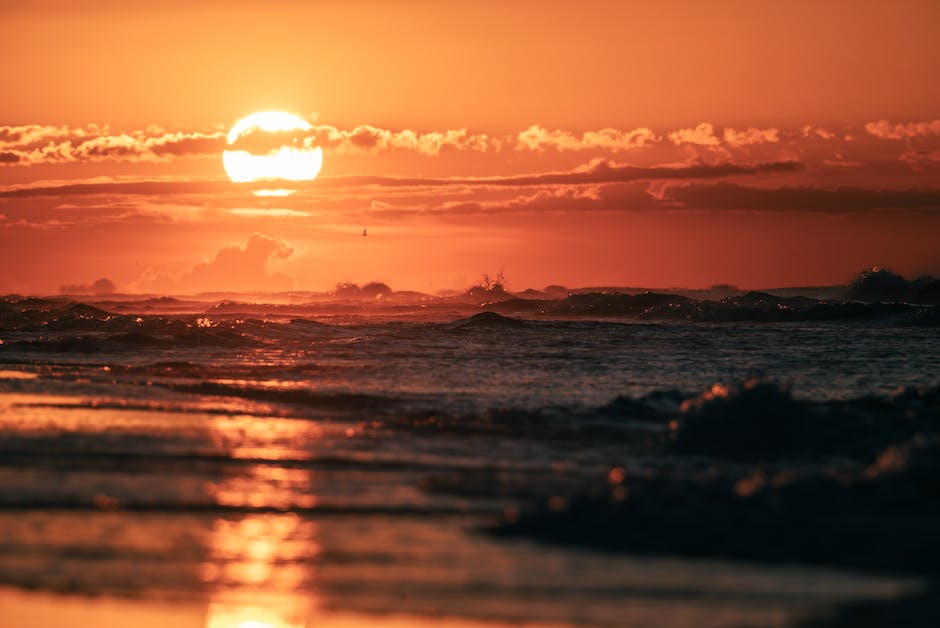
<point x="478" y="468"/>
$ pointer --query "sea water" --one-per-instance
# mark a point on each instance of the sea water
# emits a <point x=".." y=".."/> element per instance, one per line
<point x="294" y="467"/>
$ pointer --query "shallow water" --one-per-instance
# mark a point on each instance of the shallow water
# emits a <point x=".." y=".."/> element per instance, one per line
<point x="220" y="470"/>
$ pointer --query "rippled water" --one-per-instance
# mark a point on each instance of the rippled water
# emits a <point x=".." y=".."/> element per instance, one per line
<point x="295" y="471"/>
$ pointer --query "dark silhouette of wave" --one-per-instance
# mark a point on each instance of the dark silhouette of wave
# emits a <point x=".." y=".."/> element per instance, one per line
<point x="749" y="307"/>
<point x="62" y="325"/>
<point x="881" y="285"/>
<point x="486" y="321"/>
<point x="876" y="508"/>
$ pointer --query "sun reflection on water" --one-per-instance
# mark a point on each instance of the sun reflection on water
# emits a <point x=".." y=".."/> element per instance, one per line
<point x="259" y="568"/>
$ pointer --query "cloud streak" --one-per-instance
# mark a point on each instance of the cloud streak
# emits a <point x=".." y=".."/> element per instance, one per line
<point x="538" y="138"/>
<point x="747" y="137"/>
<point x="146" y="187"/>
<point x="34" y="144"/>
<point x="366" y="138"/>
<point x="730" y="196"/>
<point x="722" y="196"/>
<point x="885" y="130"/>
<point x="702" y="135"/>
<point x="594" y="172"/>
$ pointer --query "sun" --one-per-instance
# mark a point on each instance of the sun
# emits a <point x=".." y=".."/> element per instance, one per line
<point x="269" y="149"/>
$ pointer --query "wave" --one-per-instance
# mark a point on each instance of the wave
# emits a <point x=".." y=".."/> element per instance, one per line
<point x="589" y="304"/>
<point x="199" y="370"/>
<point x="750" y="307"/>
<point x="852" y="483"/>
<point x="308" y="398"/>
<point x="882" y="519"/>
<point x="758" y="420"/>
<point x="745" y="471"/>
<point x="210" y="505"/>
<point x="130" y="341"/>
<point x="53" y="317"/>
<point x="486" y="321"/>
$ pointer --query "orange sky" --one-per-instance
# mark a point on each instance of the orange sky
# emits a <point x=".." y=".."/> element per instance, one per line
<point x="664" y="144"/>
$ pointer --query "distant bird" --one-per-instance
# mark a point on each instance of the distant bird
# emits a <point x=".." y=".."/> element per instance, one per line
<point x="364" y="233"/>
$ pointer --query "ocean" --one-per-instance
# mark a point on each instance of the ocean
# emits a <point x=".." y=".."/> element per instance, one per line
<point x="598" y="460"/>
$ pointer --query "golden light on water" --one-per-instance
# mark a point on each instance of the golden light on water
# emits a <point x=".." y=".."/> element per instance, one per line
<point x="279" y="166"/>
<point x="259" y="567"/>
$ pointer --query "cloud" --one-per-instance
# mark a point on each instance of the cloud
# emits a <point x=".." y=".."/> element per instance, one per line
<point x="598" y="171"/>
<point x="702" y="135"/>
<point x="746" y="137"/>
<point x="33" y="134"/>
<point x="538" y="138"/>
<point x="724" y="196"/>
<point x="730" y="196"/>
<point x="263" y="212"/>
<point x="36" y="144"/>
<point x="595" y="171"/>
<point x="921" y="160"/>
<point x="142" y="187"/>
<point x="604" y="171"/>
<point x="581" y="199"/>
<point x="839" y="161"/>
<point x="142" y="148"/>
<point x="180" y="144"/>
<point x="887" y="131"/>
<point x="366" y="138"/>
<point x="100" y="287"/>
<point x="811" y="131"/>
<point x="232" y="269"/>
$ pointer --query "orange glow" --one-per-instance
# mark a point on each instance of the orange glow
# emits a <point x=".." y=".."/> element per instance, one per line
<point x="465" y="154"/>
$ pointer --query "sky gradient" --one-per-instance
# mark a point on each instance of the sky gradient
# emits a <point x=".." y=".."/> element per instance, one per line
<point x="670" y="145"/>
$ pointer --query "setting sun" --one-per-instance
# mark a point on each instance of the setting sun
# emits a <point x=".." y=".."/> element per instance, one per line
<point x="283" y="159"/>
